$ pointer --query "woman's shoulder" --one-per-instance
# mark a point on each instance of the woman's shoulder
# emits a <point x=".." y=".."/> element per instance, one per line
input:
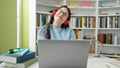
<point x="43" y="29"/>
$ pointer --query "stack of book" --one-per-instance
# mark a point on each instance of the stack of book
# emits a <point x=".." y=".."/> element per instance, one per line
<point x="18" y="58"/>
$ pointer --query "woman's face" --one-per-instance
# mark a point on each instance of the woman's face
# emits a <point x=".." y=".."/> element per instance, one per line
<point x="61" y="15"/>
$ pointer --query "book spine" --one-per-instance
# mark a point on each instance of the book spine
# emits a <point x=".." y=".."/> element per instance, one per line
<point x="115" y="40"/>
<point x="25" y="57"/>
<point x="7" y="59"/>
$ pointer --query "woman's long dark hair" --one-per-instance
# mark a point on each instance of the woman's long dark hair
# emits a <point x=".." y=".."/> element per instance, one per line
<point x="48" y="35"/>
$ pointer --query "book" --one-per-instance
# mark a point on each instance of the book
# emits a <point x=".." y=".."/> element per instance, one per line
<point x="20" y="52"/>
<point x="19" y="65"/>
<point x="18" y="59"/>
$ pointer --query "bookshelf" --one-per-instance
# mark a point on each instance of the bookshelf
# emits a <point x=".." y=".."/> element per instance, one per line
<point x="90" y="18"/>
<point x="109" y="25"/>
<point x="82" y="21"/>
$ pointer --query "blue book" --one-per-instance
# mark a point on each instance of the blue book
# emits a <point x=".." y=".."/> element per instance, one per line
<point x="18" y="52"/>
<point x="18" y="59"/>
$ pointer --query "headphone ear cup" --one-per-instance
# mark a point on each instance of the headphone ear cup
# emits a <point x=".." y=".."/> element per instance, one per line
<point x="66" y="22"/>
<point x="54" y="12"/>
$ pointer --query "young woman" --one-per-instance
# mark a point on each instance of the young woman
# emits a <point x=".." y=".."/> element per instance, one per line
<point x="58" y="27"/>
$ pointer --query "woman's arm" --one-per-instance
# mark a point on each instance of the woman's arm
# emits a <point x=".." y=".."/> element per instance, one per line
<point x="41" y="33"/>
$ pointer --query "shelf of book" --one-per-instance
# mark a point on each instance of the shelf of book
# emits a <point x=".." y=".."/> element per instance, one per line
<point x="109" y="25"/>
<point x="79" y="15"/>
<point x="114" y="7"/>
<point x="109" y="15"/>
<point x="109" y="7"/>
<point x="39" y="12"/>
<point x="84" y="28"/>
<point x="109" y="29"/>
<point x="83" y="8"/>
<point x="81" y="3"/>
<point x="89" y="17"/>
<point x="47" y="5"/>
<point x="80" y="0"/>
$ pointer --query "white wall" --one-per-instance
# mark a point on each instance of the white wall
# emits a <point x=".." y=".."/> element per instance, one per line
<point x="32" y="24"/>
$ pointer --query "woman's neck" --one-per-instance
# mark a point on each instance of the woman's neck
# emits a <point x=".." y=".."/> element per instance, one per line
<point x="56" y="24"/>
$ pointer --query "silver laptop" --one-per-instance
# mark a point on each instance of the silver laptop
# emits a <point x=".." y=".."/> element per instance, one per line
<point x="63" y="53"/>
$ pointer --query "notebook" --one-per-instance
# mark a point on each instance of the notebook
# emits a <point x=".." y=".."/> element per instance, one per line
<point x="63" y="53"/>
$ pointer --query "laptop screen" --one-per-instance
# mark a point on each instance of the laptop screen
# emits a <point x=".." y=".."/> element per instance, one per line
<point x="63" y="53"/>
